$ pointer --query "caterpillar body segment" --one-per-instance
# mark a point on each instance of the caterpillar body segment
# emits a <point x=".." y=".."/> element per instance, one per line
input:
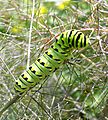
<point x="52" y="59"/>
<point x="49" y="63"/>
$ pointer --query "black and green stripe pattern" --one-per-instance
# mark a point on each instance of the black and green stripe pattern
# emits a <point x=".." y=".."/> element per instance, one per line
<point x="51" y="60"/>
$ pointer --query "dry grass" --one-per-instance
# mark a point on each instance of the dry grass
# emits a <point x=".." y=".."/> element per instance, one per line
<point x="80" y="87"/>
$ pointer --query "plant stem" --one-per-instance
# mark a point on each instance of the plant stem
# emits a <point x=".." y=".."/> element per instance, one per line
<point x="9" y="103"/>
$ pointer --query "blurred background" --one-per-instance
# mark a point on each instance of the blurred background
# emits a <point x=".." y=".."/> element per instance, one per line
<point x="76" y="91"/>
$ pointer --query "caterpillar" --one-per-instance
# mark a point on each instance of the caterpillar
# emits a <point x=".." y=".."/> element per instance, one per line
<point x="51" y="60"/>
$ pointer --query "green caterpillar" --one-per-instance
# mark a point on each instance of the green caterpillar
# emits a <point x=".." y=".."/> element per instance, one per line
<point x="51" y="60"/>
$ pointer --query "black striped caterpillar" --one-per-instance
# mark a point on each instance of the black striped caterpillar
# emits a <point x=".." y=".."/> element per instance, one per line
<point x="51" y="60"/>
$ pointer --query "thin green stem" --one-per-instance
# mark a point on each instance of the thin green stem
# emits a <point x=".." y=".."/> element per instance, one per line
<point x="9" y="103"/>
